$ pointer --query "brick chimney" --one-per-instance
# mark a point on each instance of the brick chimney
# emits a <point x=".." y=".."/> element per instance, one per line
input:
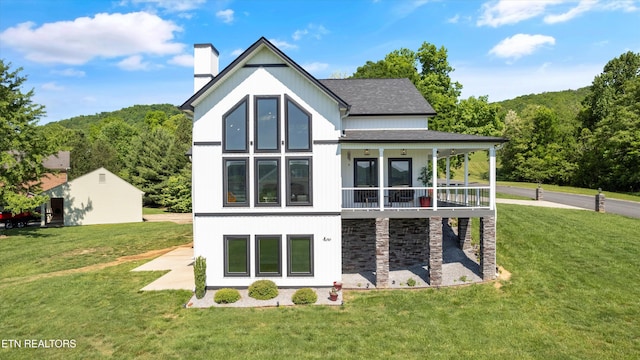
<point x="205" y="65"/>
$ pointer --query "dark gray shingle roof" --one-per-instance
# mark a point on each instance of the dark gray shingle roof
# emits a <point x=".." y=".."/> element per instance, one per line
<point x="414" y="136"/>
<point x="380" y="96"/>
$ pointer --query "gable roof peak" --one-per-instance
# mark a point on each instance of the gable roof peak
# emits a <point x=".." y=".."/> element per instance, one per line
<point x="241" y="60"/>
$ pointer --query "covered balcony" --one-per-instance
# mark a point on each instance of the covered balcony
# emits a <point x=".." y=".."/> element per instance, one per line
<point x="394" y="174"/>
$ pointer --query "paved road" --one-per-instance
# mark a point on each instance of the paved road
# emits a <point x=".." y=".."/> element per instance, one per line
<point x="620" y="207"/>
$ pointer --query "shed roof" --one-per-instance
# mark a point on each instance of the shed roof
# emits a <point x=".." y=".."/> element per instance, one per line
<point x="399" y="136"/>
<point x="380" y="96"/>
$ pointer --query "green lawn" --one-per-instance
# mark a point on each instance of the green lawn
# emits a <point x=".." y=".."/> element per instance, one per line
<point x="573" y="295"/>
<point x="479" y="168"/>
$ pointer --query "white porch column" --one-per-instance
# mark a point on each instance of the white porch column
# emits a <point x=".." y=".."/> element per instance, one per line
<point x="434" y="177"/>
<point x="448" y="175"/>
<point x="466" y="177"/>
<point x="492" y="178"/>
<point x="381" y="178"/>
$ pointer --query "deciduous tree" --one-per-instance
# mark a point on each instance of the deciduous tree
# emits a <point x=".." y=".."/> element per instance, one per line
<point x="23" y="147"/>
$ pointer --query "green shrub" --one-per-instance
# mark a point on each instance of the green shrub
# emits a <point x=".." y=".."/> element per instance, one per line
<point x="226" y="296"/>
<point x="304" y="296"/>
<point x="200" y="275"/>
<point x="411" y="282"/>
<point x="263" y="290"/>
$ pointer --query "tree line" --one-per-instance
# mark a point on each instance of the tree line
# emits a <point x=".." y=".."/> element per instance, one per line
<point x="144" y="145"/>
<point x="588" y="137"/>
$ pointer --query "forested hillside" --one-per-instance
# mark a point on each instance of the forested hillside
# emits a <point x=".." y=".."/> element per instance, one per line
<point x="566" y="104"/>
<point x="589" y="137"/>
<point x="133" y="115"/>
<point x="143" y="144"/>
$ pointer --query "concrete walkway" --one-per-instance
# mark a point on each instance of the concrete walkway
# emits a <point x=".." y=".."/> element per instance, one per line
<point x="541" y="203"/>
<point x="179" y="262"/>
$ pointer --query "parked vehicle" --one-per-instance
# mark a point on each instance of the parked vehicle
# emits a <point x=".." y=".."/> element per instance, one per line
<point x="18" y="220"/>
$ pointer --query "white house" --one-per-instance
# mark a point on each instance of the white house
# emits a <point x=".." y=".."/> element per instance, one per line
<point x="300" y="180"/>
<point x="98" y="197"/>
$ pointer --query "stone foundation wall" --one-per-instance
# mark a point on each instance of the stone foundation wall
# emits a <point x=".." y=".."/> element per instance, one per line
<point x="358" y="245"/>
<point x="408" y="243"/>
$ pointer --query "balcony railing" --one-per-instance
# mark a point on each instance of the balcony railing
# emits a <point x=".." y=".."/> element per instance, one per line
<point x="418" y="198"/>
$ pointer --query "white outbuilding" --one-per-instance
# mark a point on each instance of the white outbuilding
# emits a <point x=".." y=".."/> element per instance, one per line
<point x="98" y="197"/>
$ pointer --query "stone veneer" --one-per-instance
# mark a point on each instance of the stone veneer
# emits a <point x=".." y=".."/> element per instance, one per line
<point x="358" y="245"/>
<point x="408" y="244"/>
<point x="488" y="247"/>
<point x="435" y="251"/>
<point x="382" y="253"/>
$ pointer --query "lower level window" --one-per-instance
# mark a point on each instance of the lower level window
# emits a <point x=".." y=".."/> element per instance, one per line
<point x="268" y="255"/>
<point x="300" y="250"/>
<point x="236" y="255"/>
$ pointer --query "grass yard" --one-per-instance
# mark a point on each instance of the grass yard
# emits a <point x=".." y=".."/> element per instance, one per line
<point x="573" y="295"/>
<point x="479" y="170"/>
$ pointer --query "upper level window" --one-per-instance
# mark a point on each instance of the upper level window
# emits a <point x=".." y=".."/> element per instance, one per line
<point x="235" y="128"/>
<point x="399" y="172"/>
<point x="298" y="127"/>
<point x="267" y="124"/>
<point x="267" y="182"/>
<point x="236" y="173"/>
<point x="299" y="181"/>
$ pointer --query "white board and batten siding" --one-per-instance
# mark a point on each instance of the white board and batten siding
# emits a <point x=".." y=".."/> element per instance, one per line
<point x="385" y="123"/>
<point x="322" y="220"/>
<point x="327" y="250"/>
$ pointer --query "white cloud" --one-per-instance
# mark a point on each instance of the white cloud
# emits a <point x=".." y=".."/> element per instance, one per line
<point x="312" y="30"/>
<point x="83" y="39"/>
<point x="237" y="52"/>
<point x="173" y="5"/>
<point x="583" y="6"/>
<point x="185" y="60"/>
<point x="69" y="72"/>
<point x="282" y="45"/>
<point x="520" y="44"/>
<point x="134" y="63"/>
<point x="52" y="86"/>
<point x="454" y="19"/>
<point x="504" y="12"/>
<point x="624" y="5"/>
<point x="225" y="15"/>
<point x="315" y="67"/>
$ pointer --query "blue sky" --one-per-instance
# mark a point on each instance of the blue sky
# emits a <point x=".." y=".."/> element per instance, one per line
<point x="85" y="57"/>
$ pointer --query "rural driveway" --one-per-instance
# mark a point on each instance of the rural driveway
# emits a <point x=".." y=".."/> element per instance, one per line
<point x="620" y="207"/>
